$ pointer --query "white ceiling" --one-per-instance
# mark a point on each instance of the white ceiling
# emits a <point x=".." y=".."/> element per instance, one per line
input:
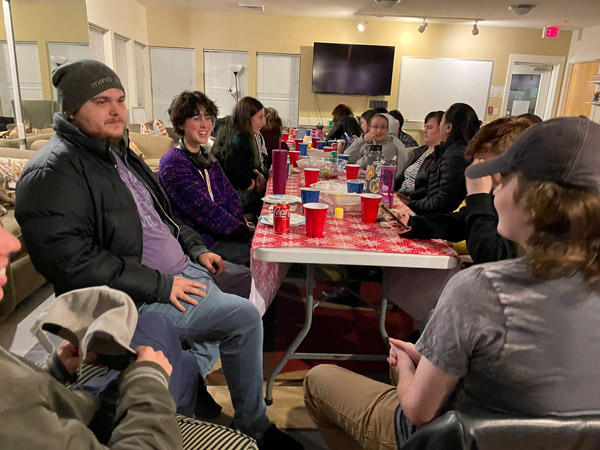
<point x="570" y="14"/>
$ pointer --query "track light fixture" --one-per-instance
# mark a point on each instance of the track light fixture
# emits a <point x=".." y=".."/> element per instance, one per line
<point x="363" y="25"/>
<point x="475" y="30"/>
<point x="422" y="27"/>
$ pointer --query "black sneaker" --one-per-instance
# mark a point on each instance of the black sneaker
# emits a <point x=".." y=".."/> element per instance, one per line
<point x="275" y="439"/>
<point x="206" y="406"/>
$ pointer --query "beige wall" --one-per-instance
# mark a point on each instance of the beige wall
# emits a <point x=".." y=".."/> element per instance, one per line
<point x="124" y="17"/>
<point x="48" y="22"/>
<point x="282" y="34"/>
<point x="585" y="45"/>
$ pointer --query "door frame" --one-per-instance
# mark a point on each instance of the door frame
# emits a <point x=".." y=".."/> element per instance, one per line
<point x="558" y="66"/>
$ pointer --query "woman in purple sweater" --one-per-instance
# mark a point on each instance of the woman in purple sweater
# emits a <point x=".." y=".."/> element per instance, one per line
<point x="201" y="195"/>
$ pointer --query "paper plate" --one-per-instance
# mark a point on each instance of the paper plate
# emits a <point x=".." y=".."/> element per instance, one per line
<point x="282" y="198"/>
<point x="295" y="219"/>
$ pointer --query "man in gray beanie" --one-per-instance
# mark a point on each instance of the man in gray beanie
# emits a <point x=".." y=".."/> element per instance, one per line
<point x="92" y="213"/>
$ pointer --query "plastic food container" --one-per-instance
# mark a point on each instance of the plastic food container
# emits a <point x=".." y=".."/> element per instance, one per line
<point x="336" y="194"/>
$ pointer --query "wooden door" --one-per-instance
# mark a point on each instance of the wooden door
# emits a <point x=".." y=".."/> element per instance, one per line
<point x="580" y="89"/>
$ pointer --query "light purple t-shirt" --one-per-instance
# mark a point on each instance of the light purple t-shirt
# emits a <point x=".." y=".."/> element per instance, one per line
<point x="160" y="249"/>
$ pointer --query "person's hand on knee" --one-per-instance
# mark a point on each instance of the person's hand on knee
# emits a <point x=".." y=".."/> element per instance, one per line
<point x="156" y="356"/>
<point x="180" y="290"/>
<point x="212" y="262"/>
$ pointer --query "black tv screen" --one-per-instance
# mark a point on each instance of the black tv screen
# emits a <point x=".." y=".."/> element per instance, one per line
<point x="352" y="69"/>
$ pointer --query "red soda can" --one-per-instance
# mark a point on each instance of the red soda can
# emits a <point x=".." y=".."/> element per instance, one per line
<point x="281" y="218"/>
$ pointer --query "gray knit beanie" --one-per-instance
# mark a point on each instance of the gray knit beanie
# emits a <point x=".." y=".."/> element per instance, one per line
<point x="81" y="80"/>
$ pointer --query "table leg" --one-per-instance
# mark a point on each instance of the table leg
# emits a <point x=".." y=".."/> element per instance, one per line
<point x="385" y="284"/>
<point x="308" y="313"/>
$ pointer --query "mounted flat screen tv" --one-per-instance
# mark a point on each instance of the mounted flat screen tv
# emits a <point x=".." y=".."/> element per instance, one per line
<point x="352" y="69"/>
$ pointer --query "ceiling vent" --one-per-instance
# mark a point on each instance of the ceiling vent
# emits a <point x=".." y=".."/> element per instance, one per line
<point x="252" y="8"/>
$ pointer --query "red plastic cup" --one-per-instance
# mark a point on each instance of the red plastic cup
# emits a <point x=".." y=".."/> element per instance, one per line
<point x="327" y="149"/>
<point x="352" y="171"/>
<point x="285" y="136"/>
<point x="311" y="176"/>
<point x="314" y="142"/>
<point x="369" y="207"/>
<point x="334" y="146"/>
<point x="315" y="219"/>
<point x="298" y="141"/>
<point x="294" y="157"/>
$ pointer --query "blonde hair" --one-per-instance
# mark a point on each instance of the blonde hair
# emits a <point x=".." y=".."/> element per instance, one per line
<point x="566" y="237"/>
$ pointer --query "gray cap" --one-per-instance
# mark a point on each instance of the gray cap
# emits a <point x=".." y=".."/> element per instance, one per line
<point x="81" y="80"/>
<point x="96" y="319"/>
<point x="565" y="150"/>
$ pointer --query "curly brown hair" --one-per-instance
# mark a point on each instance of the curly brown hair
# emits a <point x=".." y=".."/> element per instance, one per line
<point x="188" y="104"/>
<point x="272" y="119"/>
<point x="566" y="236"/>
<point x="497" y="136"/>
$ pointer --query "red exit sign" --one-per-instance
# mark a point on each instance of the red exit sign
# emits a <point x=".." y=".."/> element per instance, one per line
<point x="550" y="32"/>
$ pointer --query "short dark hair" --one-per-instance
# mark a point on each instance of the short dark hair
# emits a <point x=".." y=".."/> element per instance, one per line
<point x="464" y="123"/>
<point x="188" y="104"/>
<point x="380" y="110"/>
<point x="368" y="114"/>
<point x="437" y="115"/>
<point x="398" y="116"/>
<point x="241" y="117"/>
<point x="340" y="110"/>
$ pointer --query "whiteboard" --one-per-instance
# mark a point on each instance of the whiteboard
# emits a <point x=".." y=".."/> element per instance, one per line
<point x="431" y="84"/>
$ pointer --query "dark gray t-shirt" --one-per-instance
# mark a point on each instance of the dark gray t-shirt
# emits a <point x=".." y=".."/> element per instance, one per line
<point x="160" y="250"/>
<point x="520" y="344"/>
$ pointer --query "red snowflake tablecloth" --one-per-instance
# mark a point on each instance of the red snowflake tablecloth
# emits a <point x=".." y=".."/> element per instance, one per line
<point x="348" y="233"/>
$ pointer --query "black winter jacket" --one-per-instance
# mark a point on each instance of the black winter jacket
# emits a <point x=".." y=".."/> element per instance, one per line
<point x="80" y="221"/>
<point x="445" y="183"/>
<point x="476" y="222"/>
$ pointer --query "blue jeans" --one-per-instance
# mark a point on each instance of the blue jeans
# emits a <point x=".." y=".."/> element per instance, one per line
<point x="232" y="325"/>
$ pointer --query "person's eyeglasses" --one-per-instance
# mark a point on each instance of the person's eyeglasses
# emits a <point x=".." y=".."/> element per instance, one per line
<point x="378" y="127"/>
<point x="203" y="118"/>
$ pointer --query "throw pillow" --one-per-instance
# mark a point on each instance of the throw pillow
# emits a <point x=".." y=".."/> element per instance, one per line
<point x="10" y="170"/>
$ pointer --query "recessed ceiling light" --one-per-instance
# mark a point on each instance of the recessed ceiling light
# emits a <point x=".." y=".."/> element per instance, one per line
<point x="520" y="9"/>
<point x="387" y="3"/>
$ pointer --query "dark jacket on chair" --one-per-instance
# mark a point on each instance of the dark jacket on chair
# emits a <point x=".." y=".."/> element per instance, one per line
<point x="80" y="221"/>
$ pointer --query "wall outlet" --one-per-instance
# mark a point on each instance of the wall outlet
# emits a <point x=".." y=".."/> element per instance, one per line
<point x="495" y="111"/>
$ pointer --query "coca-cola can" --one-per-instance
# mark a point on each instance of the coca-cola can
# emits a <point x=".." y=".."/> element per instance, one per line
<point x="281" y="218"/>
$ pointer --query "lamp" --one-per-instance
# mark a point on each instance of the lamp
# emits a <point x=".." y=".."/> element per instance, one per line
<point x="236" y="68"/>
<point x="363" y="25"/>
<point x="520" y="9"/>
<point x="475" y="30"/>
<point x="422" y="27"/>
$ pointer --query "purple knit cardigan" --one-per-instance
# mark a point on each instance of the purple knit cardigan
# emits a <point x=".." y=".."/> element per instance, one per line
<point x="191" y="202"/>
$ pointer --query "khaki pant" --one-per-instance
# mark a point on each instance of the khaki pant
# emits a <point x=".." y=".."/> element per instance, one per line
<point x="350" y="409"/>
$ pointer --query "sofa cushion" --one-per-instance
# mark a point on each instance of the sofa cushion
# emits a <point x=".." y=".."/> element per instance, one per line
<point x="153" y="147"/>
